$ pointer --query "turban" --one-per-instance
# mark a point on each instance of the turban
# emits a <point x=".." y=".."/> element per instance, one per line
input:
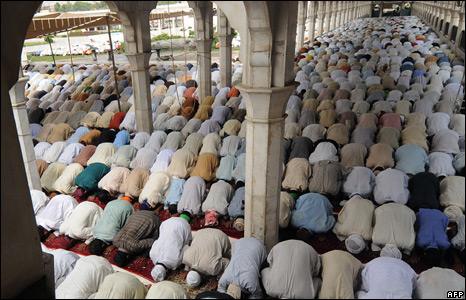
<point x="391" y="250"/>
<point x="355" y="244"/>
<point x="193" y="279"/>
<point x="453" y="213"/>
<point x="239" y="224"/>
<point x="158" y="272"/>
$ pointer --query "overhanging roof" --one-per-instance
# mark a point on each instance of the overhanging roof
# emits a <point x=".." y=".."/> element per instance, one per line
<point x="50" y="23"/>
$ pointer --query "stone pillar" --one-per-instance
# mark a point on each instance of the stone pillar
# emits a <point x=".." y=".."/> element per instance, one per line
<point x="204" y="48"/>
<point x="445" y="20"/>
<point x="328" y="16"/>
<point x="441" y="17"/>
<point x="432" y="15"/>
<point x="453" y="22"/>
<point x="225" y="38"/>
<point x="333" y="21"/>
<point x="322" y="5"/>
<point x="18" y="102"/>
<point x="139" y="64"/>
<point x="225" y="60"/>
<point x="347" y="12"/>
<point x="21" y="255"/>
<point x="339" y="12"/>
<point x="312" y="19"/>
<point x="301" y="24"/>
<point x="460" y="28"/>
<point x="265" y="125"/>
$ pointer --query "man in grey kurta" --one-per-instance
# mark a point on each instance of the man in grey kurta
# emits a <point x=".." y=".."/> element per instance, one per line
<point x="244" y="267"/>
<point x="293" y="271"/>
<point x="209" y="252"/>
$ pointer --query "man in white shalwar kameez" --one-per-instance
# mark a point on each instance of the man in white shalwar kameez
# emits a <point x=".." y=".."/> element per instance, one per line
<point x="39" y="200"/>
<point x="57" y="210"/>
<point x="85" y="279"/>
<point x="81" y="221"/>
<point x="63" y="263"/>
<point x="167" y="251"/>
<point x="387" y="278"/>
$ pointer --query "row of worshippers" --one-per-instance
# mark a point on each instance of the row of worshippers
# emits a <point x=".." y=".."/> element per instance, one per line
<point x="55" y="95"/>
<point x="94" y="277"/>
<point x="246" y="271"/>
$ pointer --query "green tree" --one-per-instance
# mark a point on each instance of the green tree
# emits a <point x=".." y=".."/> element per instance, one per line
<point x="164" y="36"/>
<point x="82" y="5"/>
<point x="48" y="39"/>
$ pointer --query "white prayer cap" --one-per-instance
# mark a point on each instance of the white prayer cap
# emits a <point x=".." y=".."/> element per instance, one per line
<point x="193" y="279"/>
<point x="453" y="213"/>
<point x="158" y="273"/>
<point x="355" y="244"/>
<point x="391" y="250"/>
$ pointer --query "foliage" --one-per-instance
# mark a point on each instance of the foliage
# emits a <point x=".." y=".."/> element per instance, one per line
<point x="48" y="39"/>
<point x="166" y="2"/>
<point x="122" y="48"/>
<point x="28" y="44"/>
<point x="48" y="58"/>
<point x="80" y="6"/>
<point x="164" y="36"/>
<point x="214" y="41"/>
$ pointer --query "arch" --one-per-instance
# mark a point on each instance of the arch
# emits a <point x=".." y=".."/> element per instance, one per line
<point x="16" y="37"/>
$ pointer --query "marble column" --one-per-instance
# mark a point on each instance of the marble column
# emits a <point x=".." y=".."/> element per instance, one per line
<point x="18" y="102"/>
<point x="265" y="125"/>
<point x="139" y="64"/>
<point x="446" y="19"/>
<point x="301" y="24"/>
<point x="328" y="16"/>
<point x="347" y="12"/>
<point x="453" y="22"/>
<point x="204" y="52"/>
<point x="460" y="29"/>
<point x="22" y="267"/>
<point x="312" y="19"/>
<point x="434" y="16"/>
<point x="225" y="37"/>
<point x="333" y="21"/>
<point x="322" y="5"/>
<point x="441" y="17"/>
<point x="339" y="12"/>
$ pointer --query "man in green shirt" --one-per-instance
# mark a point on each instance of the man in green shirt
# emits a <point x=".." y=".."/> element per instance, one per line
<point x="90" y="176"/>
<point x="115" y="215"/>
